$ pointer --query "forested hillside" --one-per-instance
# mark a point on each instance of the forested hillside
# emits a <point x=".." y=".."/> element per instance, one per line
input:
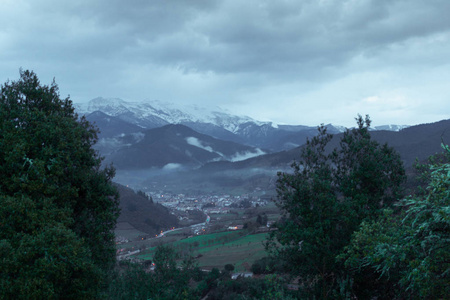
<point x="142" y="213"/>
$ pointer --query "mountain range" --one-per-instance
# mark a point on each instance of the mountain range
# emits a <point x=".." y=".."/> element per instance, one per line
<point x="413" y="143"/>
<point x="177" y="146"/>
<point x="259" y="173"/>
<point x="144" y="139"/>
<point x="116" y="117"/>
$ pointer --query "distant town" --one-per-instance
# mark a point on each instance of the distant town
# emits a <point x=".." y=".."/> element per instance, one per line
<point x="209" y="204"/>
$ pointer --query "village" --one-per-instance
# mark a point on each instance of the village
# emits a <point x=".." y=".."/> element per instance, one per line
<point x="208" y="203"/>
<point x="207" y="213"/>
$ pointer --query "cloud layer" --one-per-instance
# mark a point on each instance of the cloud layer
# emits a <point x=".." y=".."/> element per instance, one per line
<point x="298" y="62"/>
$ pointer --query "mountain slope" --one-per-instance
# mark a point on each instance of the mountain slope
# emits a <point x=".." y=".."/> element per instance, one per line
<point x="144" y="215"/>
<point x="111" y="126"/>
<point x="175" y="146"/>
<point x="418" y="141"/>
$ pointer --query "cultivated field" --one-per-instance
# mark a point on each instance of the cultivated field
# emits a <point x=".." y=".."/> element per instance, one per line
<point x="218" y="249"/>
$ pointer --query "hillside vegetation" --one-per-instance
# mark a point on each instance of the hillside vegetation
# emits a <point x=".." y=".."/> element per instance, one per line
<point x="139" y="211"/>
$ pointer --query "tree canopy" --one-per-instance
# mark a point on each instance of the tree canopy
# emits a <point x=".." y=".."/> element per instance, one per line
<point x="408" y="252"/>
<point x="325" y="199"/>
<point x="58" y="207"/>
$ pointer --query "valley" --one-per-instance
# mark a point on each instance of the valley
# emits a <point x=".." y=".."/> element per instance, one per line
<point x="227" y="236"/>
<point x="212" y="176"/>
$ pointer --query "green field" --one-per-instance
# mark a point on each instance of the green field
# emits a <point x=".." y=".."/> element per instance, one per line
<point x="218" y="249"/>
<point x="241" y="253"/>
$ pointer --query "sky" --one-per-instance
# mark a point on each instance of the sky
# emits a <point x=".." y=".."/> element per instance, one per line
<point x="291" y="62"/>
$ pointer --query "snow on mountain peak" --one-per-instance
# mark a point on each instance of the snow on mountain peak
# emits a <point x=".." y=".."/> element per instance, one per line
<point x="391" y="127"/>
<point x="170" y="112"/>
<point x="151" y="113"/>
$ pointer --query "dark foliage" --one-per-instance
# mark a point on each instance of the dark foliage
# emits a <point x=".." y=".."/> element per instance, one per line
<point x="268" y="265"/>
<point x="140" y="212"/>
<point x="407" y="255"/>
<point x="325" y="199"/>
<point x="58" y="208"/>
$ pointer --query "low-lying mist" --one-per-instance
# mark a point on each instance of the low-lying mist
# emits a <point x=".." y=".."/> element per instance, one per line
<point x="180" y="179"/>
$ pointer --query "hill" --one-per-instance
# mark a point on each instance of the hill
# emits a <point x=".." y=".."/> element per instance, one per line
<point x="111" y="126"/>
<point x="177" y="146"/>
<point x="142" y="214"/>
<point x="419" y="141"/>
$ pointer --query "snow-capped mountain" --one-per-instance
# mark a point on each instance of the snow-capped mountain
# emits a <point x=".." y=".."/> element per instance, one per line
<point x="212" y="121"/>
<point x="162" y="113"/>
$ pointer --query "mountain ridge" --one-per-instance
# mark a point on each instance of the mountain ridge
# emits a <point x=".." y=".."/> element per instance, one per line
<point x="132" y="147"/>
<point x="174" y="146"/>
<point x="215" y="122"/>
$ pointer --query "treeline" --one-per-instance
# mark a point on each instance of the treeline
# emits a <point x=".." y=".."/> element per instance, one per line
<point x="171" y="275"/>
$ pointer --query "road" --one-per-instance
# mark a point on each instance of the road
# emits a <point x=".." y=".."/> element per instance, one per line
<point x="175" y="229"/>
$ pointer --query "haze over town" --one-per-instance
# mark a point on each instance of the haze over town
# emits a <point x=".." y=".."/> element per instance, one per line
<point x="291" y="62"/>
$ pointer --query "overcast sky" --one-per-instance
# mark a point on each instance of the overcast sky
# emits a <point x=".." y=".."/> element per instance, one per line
<point x="293" y="62"/>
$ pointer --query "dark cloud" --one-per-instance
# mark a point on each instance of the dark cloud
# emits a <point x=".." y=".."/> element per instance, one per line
<point x="232" y="52"/>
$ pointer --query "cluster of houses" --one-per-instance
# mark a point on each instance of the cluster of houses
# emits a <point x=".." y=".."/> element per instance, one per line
<point x="209" y="204"/>
<point x="121" y="240"/>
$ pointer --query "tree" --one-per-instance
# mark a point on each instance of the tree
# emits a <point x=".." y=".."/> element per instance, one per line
<point x="409" y="253"/>
<point x="165" y="259"/>
<point x="229" y="268"/>
<point x="261" y="219"/>
<point x="171" y="281"/>
<point x="368" y="175"/>
<point x="58" y="208"/>
<point x="325" y="199"/>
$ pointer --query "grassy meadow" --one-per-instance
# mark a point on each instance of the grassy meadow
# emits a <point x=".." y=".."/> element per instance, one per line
<point x="218" y="249"/>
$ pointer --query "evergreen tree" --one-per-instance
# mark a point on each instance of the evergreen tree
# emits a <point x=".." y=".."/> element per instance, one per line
<point x="407" y="255"/>
<point x="325" y="199"/>
<point x="58" y="208"/>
